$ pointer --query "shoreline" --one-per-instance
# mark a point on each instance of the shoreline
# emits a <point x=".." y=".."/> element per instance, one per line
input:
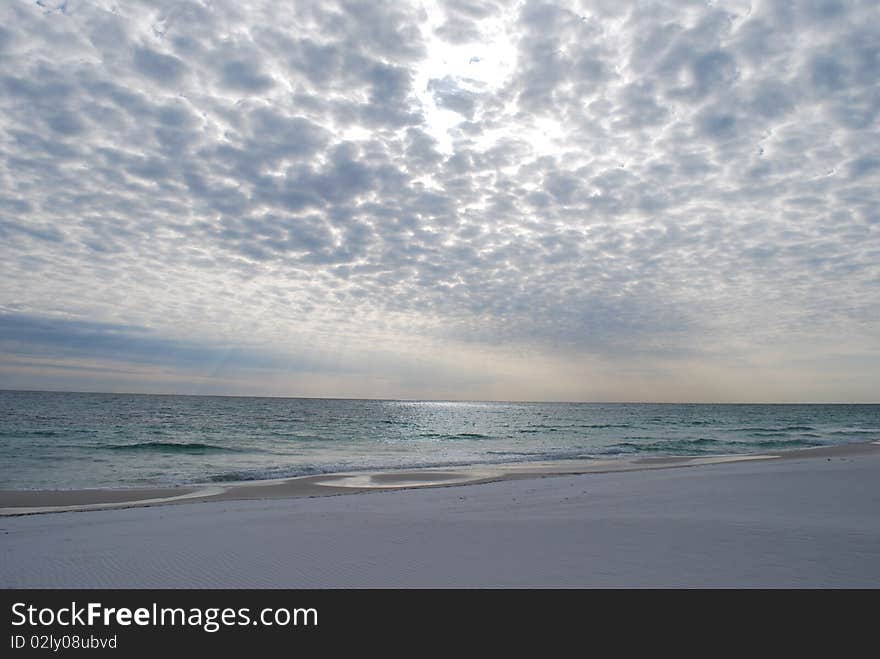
<point x="15" y="503"/>
<point x="799" y="519"/>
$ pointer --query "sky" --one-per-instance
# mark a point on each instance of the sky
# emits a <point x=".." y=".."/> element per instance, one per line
<point x="493" y="200"/>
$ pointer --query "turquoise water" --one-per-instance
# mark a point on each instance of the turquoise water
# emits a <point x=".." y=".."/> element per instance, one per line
<point x="72" y="440"/>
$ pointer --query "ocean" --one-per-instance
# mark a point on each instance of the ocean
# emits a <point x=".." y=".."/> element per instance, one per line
<point x="56" y="440"/>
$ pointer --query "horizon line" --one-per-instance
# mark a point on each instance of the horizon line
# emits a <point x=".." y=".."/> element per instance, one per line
<point x="437" y="400"/>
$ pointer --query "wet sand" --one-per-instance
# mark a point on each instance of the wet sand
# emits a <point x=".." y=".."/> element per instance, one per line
<point x="26" y="502"/>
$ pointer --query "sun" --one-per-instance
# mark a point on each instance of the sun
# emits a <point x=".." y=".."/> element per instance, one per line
<point x="475" y="67"/>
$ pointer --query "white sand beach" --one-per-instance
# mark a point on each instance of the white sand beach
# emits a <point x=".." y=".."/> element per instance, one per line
<point x="800" y="519"/>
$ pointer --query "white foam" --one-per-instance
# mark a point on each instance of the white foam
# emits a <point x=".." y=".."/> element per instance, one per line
<point x="375" y="480"/>
<point x="421" y="478"/>
<point x="730" y="458"/>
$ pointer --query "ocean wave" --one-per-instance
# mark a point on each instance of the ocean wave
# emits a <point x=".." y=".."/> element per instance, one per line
<point x="461" y="435"/>
<point x="857" y="431"/>
<point x="784" y="443"/>
<point x="776" y="429"/>
<point x="264" y="474"/>
<point x="29" y="433"/>
<point x="171" y="447"/>
<point x="705" y="445"/>
<point x="298" y="436"/>
<point x="701" y="445"/>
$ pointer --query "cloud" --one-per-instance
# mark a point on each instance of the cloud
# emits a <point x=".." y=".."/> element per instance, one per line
<point x="630" y="189"/>
<point x="448" y="94"/>
<point x="161" y="68"/>
<point x="243" y="75"/>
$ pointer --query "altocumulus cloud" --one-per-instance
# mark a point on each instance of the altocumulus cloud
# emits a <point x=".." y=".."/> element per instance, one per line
<point x="545" y="200"/>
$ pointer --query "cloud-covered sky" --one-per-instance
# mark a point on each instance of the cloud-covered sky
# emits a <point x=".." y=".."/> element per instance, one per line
<point x="499" y="199"/>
